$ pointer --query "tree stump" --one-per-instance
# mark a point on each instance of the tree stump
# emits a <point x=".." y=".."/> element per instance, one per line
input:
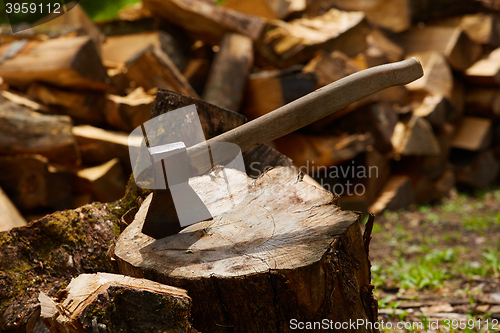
<point x="285" y="254"/>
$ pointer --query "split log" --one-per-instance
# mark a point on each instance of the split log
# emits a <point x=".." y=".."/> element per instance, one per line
<point x="296" y="41"/>
<point x="415" y="137"/>
<point x="23" y="131"/>
<point x="206" y="20"/>
<point x="482" y="28"/>
<point x="428" y="191"/>
<point x="64" y="62"/>
<point x="269" y="9"/>
<point x="196" y="73"/>
<point x="117" y="50"/>
<point x="381" y="49"/>
<point x="330" y="67"/>
<point x="269" y="90"/>
<point x="82" y="106"/>
<point x="24" y="100"/>
<point x="98" y="146"/>
<point x="437" y="79"/>
<point x="483" y="102"/>
<point x="32" y="183"/>
<point x="294" y="255"/>
<point x="436" y="109"/>
<point x="106" y="182"/>
<point x="128" y="112"/>
<point x="458" y="49"/>
<point x="229" y="72"/>
<point x="10" y="216"/>
<point x="473" y="134"/>
<point x="485" y="71"/>
<point x="102" y="301"/>
<point x="153" y="68"/>
<point x="477" y="170"/>
<point x="396" y="194"/>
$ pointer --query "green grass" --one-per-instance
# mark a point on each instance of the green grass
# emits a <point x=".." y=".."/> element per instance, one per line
<point x="105" y="10"/>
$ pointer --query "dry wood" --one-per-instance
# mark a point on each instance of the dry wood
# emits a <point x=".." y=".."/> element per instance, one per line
<point x="284" y="229"/>
<point x="9" y="214"/>
<point x="229" y="72"/>
<point x="397" y="193"/>
<point x="269" y="90"/>
<point x="106" y="182"/>
<point x="206" y="20"/>
<point x="127" y="112"/>
<point x="117" y="50"/>
<point x="473" y="134"/>
<point x="297" y="41"/>
<point x="32" y="183"/>
<point x="415" y="137"/>
<point x="436" y="109"/>
<point x="482" y="28"/>
<point x="64" y="62"/>
<point x="330" y="67"/>
<point x="485" y="71"/>
<point x="196" y="72"/>
<point x="102" y="301"/>
<point x="437" y="79"/>
<point x="270" y="9"/>
<point x="84" y="106"/>
<point x="458" y="49"/>
<point x="381" y="49"/>
<point x="484" y="102"/>
<point x="153" y="68"/>
<point x="477" y="170"/>
<point x="23" y="131"/>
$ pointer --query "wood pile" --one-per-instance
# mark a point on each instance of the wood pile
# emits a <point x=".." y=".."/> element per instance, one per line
<point x="71" y="96"/>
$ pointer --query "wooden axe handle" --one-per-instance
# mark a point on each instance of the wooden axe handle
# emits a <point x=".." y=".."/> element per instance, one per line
<point x="312" y="107"/>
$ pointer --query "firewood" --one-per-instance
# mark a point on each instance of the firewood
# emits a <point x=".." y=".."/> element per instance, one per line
<point x="64" y="62"/>
<point x="323" y="151"/>
<point x="196" y="72"/>
<point x="298" y="214"/>
<point x="458" y="49"/>
<point x="477" y="170"/>
<point x="415" y="137"/>
<point x="10" y="216"/>
<point x="206" y="20"/>
<point x="473" y="134"/>
<point x="434" y="108"/>
<point x="98" y="146"/>
<point x="25" y="100"/>
<point x="485" y="71"/>
<point x="117" y="50"/>
<point x="94" y="302"/>
<point x="482" y="28"/>
<point x="330" y="67"/>
<point x="268" y="90"/>
<point x="484" y="102"/>
<point x="437" y="79"/>
<point x="127" y="112"/>
<point x="84" y="106"/>
<point x="397" y="193"/>
<point x="297" y="41"/>
<point x="153" y="68"/>
<point x="32" y="183"/>
<point x="229" y="72"/>
<point x="274" y="9"/>
<point x="106" y="182"/>
<point x="428" y="190"/>
<point x="381" y="49"/>
<point x="23" y="131"/>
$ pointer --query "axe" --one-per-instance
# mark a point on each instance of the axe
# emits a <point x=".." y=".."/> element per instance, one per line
<point x="174" y="163"/>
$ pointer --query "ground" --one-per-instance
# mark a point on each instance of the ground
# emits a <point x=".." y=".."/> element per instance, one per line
<point x="440" y="262"/>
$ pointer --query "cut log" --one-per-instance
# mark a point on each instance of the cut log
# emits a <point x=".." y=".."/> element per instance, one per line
<point x="260" y="159"/>
<point x="437" y="79"/>
<point x="330" y="67"/>
<point x="415" y="137"/>
<point x="27" y="132"/>
<point x="396" y="194"/>
<point x="436" y="109"/>
<point x="485" y="71"/>
<point x="128" y="112"/>
<point x="381" y="49"/>
<point x="482" y="28"/>
<point x="483" y="102"/>
<point x="229" y="72"/>
<point x="270" y="9"/>
<point x="106" y="182"/>
<point x="64" y="62"/>
<point x="269" y="90"/>
<point x="196" y="73"/>
<point x="153" y="68"/>
<point x="24" y="100"/>
<point x="285" y="252"/>
<point x="473" y="134"/>
<point x="117" y="50"/>
<point x="102" y="301"/>
<point x="82" y="106"/>
<point x="98" y="146"/>
<point x="9" y="214"/>
<point x="206" y="20"/>
<point x="458" y="49"/>
<point x="477" y="170"/>
<point x="32" y="183"/>
<point x="297" y="41"/>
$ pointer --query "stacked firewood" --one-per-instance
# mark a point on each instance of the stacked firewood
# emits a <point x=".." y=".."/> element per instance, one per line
<point x="72" y="91"/>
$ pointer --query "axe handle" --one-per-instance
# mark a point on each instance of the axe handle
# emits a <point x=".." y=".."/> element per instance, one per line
<point x="312" y="107"/>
